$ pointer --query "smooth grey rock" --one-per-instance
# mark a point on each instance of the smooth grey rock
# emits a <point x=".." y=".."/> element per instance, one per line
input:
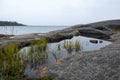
<point x="102" y="64"/>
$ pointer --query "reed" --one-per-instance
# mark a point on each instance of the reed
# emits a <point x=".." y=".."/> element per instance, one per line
<point x="37" y="54"/>
<point x="77" y="45"/>
<point x="68" y="45"/>
<point x="71" y="46"/>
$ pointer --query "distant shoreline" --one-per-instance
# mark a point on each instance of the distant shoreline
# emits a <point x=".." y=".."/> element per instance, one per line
<point x="9" y="23"/>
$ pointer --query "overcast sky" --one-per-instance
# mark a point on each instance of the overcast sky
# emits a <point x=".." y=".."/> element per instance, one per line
<point x="58" y="12"/>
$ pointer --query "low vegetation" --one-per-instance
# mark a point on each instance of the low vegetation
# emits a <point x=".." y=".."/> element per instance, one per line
<point x="37" y="52"/>
<point x="68" y="45"/>
<point x="77" y="45"/>
<point x="71" y="46"/>
<point x="12" y="63"/>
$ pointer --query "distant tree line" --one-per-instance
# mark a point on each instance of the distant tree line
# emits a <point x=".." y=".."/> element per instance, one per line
<point x="8" y="23"/>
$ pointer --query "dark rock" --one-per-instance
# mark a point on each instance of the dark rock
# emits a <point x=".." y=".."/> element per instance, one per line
<point x="94" y="41"/>
<point x="92" y="32"/>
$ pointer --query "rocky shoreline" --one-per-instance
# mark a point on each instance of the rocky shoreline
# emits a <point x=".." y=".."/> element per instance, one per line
<point x="100" y="32"/>
<point x="103" y="64"/>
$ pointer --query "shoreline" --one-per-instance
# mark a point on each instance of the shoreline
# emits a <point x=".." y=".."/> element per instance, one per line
<point x="99" y="32"/>
<point x="87" y="65"/>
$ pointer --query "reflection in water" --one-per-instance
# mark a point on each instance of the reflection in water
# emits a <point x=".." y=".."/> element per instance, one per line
<point x="58" y="50"/>
<point x="71" y="46"/>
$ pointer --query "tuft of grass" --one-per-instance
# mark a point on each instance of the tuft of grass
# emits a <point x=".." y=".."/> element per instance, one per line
<point x="11" y="63"/>
<point x="37" y="53"/>
<point x="41" y="44"/>
<point x="77" y="45"/>
<point x="68" y="45"/>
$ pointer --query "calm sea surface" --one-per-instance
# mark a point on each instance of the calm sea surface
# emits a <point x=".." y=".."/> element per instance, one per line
<point x="17" y="30"/>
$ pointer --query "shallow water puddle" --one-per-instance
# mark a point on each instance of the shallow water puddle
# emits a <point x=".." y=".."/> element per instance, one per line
<point x="57" y="51"/>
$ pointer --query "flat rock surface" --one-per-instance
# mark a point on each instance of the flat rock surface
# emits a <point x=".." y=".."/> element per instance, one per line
<point x="103" y="64"/>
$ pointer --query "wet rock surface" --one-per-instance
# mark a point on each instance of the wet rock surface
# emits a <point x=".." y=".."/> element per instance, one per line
<point x="102" y="64"/>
